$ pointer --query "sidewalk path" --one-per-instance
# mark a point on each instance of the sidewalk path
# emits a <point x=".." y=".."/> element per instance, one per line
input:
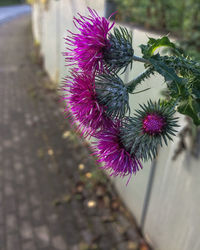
<point x="51" y="197"/>
<point x="10" y="12"/>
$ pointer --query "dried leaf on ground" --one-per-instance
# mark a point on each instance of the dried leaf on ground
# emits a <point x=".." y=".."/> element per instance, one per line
<point x="81" y="166"/>
<point x="132" y="245"/>
<point x="115" y="204"/>
<point x="79" y="187"/>
<point x="91" y="203"/>
<point x="144" y="246"/>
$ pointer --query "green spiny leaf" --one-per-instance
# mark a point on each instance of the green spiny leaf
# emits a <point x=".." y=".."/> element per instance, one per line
<point x="153" y="44"/>
<point x="191" y="108"/>
<point x="167" y="72"/>
<point x="156" y="43"/>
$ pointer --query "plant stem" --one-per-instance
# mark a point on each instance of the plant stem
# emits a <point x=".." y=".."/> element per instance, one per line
<point x="132" y="84"/>
<point x="140" y="59"/>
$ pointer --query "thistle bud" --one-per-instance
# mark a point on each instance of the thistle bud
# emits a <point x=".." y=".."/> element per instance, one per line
<point x="113" y="95"/>
<point x="120" y="52"/>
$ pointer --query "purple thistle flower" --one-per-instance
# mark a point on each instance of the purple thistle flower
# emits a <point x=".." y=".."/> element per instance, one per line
<point x="90" y="44"/>
<point x="83" y="103"/>
<point x="110" y="150"/>
<point x="153" y="124"/>
<point x="148" y="128"/>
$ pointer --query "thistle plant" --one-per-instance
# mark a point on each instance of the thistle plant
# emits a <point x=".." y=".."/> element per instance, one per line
<point x="99" y="100"/>
<point x="152" y="125"/>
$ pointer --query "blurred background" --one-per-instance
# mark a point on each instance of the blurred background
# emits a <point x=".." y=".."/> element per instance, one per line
<point x="11" y="2"/>
<point x="52" y="194"/>
<point x="180" y="18"/>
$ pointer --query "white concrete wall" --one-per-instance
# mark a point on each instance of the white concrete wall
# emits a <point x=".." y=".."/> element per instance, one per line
<point x="174" y="211"/>
<point x="172" y="221"/>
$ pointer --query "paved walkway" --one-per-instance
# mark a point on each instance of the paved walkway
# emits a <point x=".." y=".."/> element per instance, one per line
<point x="51" y="194"/>
<point x="10" y="12"/>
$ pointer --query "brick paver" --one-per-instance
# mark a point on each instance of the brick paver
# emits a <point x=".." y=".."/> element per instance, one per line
<point x="50" y="195"/>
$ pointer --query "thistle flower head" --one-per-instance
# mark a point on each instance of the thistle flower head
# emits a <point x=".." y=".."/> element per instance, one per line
<point x="153" y="124"/>
<point x="84" y="106"/>
<point x="113" y="95"/>
<point x="143" y="133"/>
<point x="120" y="52"/>
<point x="89" y="44"/>
<point x="113" y="154"/>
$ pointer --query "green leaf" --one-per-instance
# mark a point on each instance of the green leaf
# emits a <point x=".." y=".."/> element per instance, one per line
<point x="153" y="44"/>
<point x="196" y="87"/>
<point x="156" y="43"/>
<point x="196" y="93"/>
<point x="167" y="72"/>
<point x="191" y="108"/>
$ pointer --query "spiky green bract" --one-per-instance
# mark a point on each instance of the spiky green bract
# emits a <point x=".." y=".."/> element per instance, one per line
<point x="144" y="140"/>
<point x="113" y="95"/>
<point x="120" y="52"/>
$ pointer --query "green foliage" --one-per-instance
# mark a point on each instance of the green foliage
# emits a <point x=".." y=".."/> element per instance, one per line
<point x="191" y="107"/>
<point x="10" y="2"/>
<point x="167" y="72"/>
<point x="153" y="44"/>
<point x="181" y="75"/>
<point x="181" y="17"/>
